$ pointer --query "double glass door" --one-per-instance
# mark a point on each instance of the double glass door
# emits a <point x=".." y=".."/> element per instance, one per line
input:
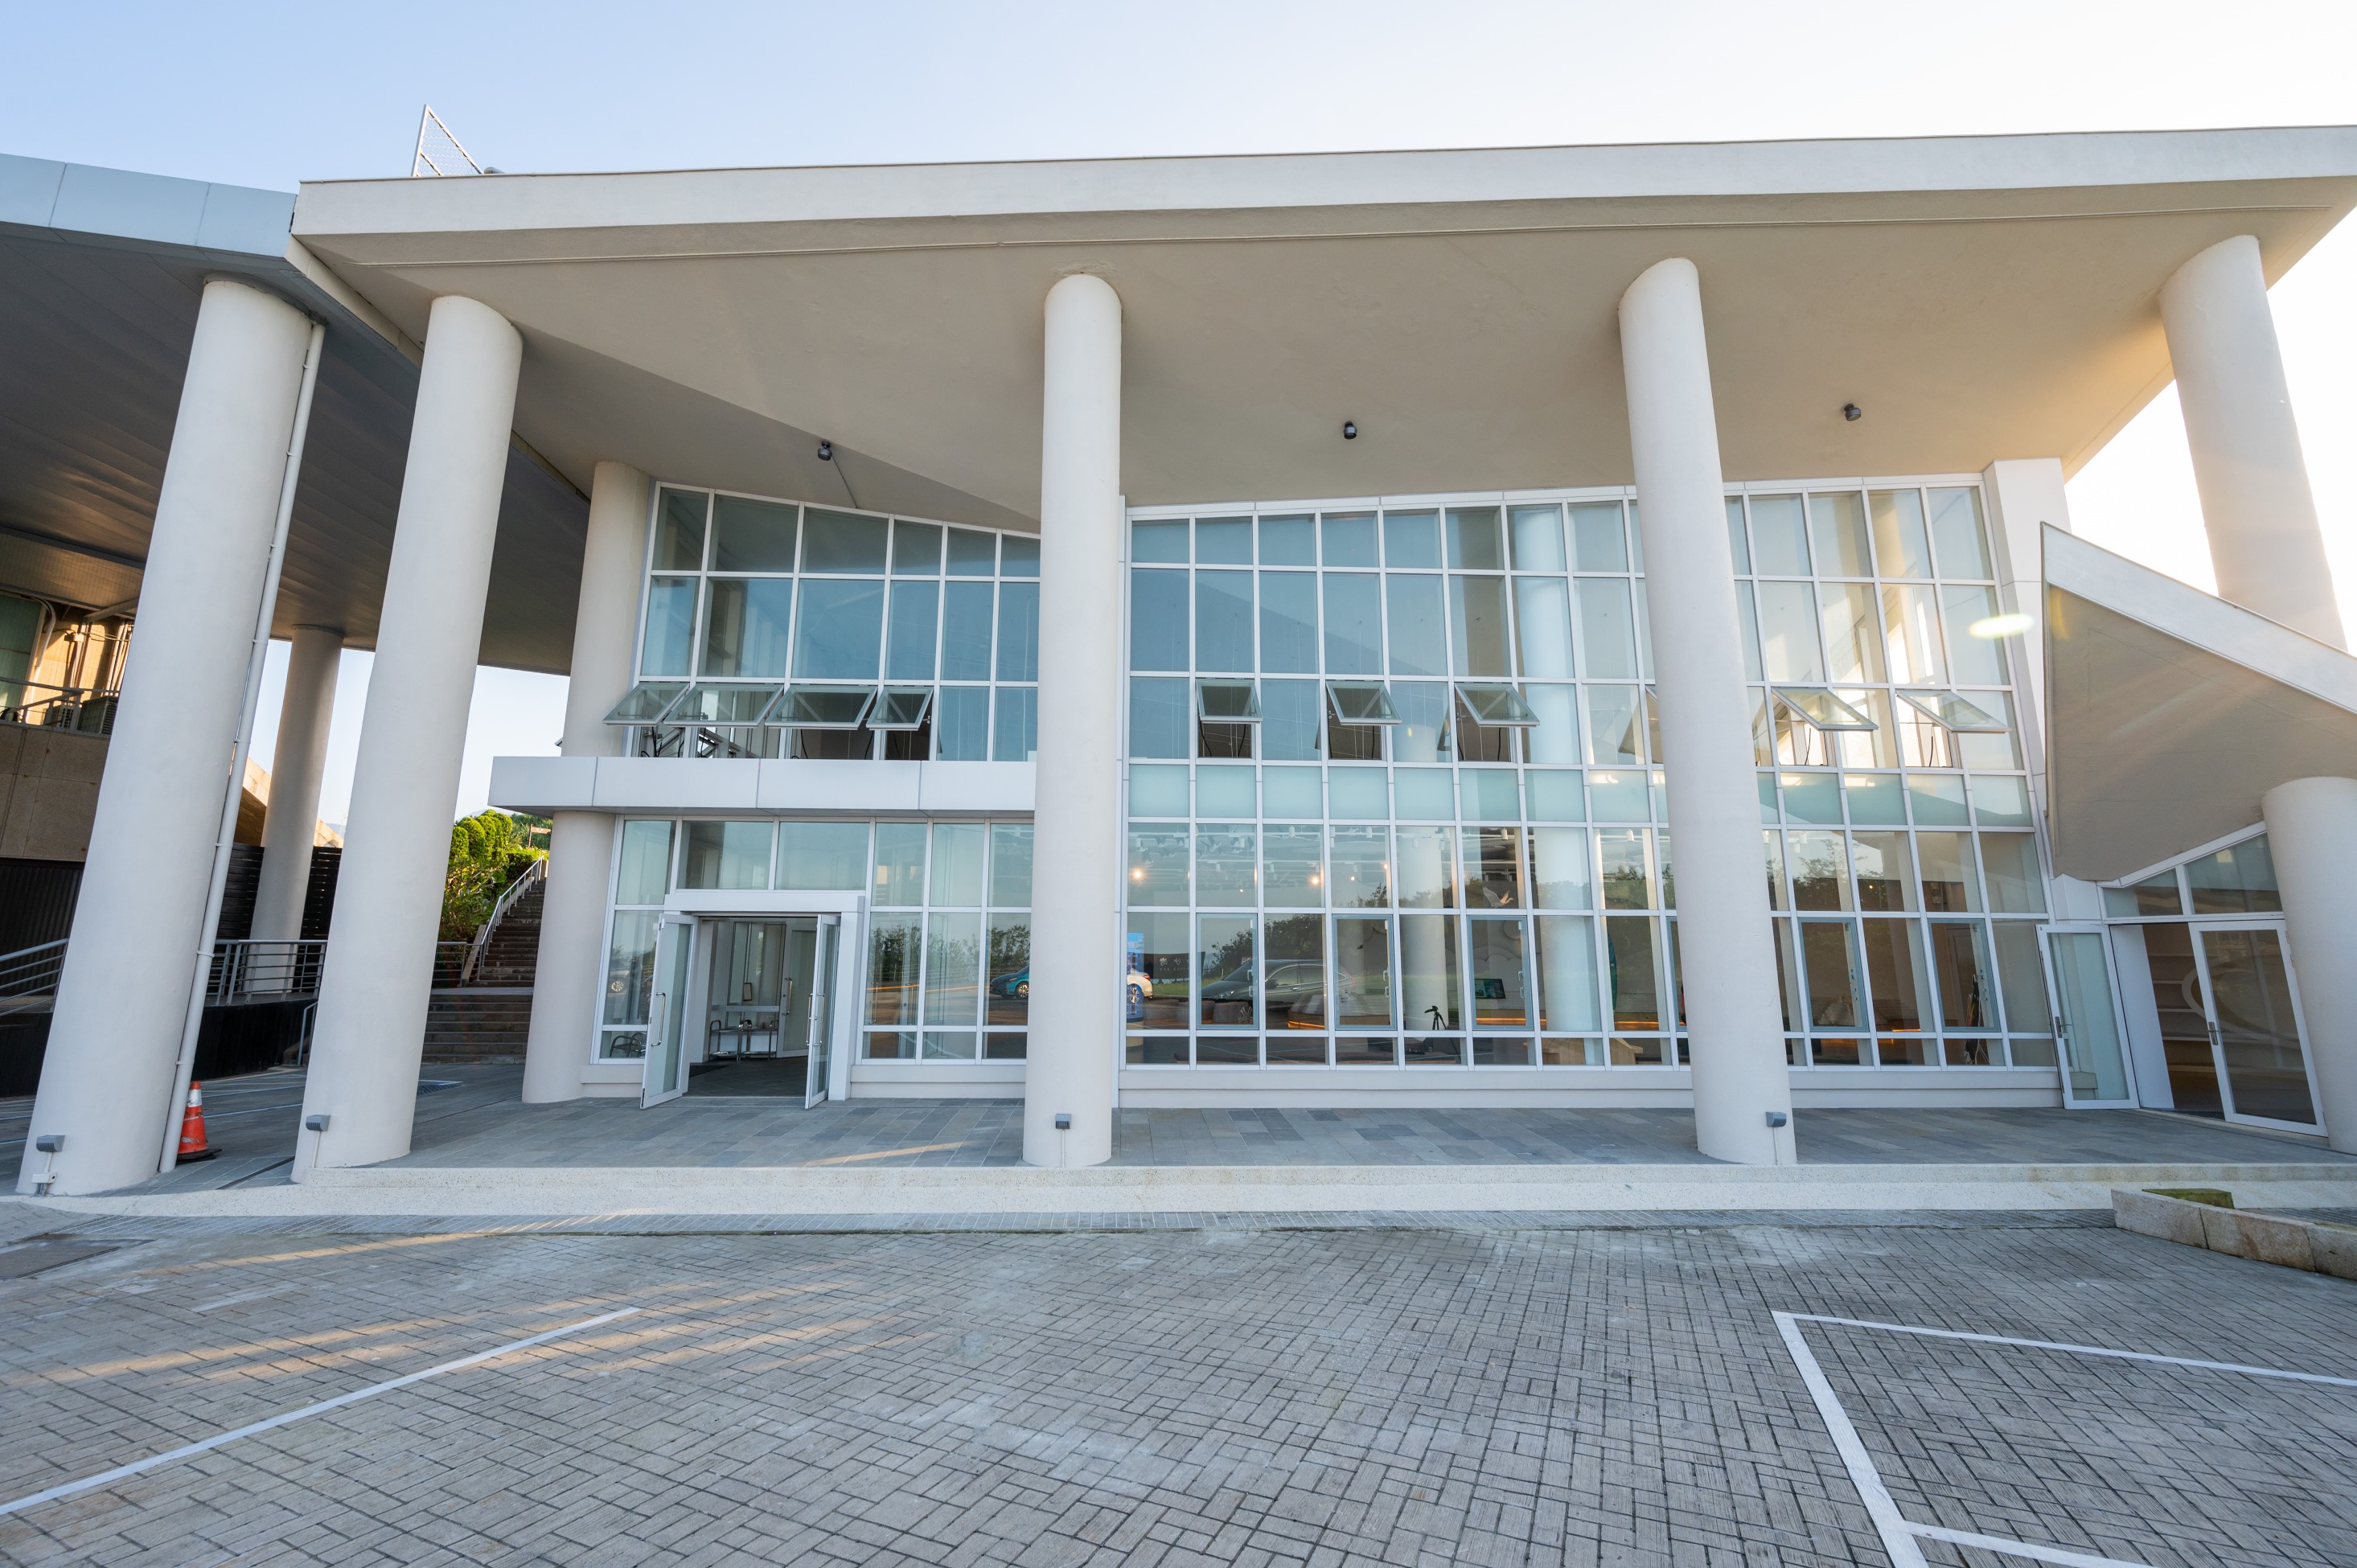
<point x="743" y="1005"/>
<point x="2230" y="1025"/>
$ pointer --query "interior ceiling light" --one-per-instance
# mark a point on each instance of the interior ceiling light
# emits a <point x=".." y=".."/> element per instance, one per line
<point x="1996" y="627"/>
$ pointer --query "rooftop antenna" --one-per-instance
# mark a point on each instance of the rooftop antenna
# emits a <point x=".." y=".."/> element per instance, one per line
<point x="439" y="151"/>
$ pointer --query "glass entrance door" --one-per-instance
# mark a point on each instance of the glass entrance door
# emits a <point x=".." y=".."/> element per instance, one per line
<point x="819" y="1013"/>
<point x="2087" y="1015"/>
<point x="666" y="1068"/>
<point x="2255" y="1027"/>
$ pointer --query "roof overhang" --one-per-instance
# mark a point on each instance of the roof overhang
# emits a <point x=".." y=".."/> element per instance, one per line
<point x="1979" y="297"/>
<point x="2170" y="712"/>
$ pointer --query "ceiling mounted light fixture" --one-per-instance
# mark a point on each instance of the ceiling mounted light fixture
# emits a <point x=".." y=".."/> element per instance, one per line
<point x="1350" y="430"/>
<point x="826" y="451"/>
<point x="1852" y="412"/>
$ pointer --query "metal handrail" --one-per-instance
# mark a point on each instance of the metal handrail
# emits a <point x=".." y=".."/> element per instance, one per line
<point x="86" y="709"/>
<point x="29" y="977"/>
<point x="531" y="878"/>
<point x="242" y="971"/>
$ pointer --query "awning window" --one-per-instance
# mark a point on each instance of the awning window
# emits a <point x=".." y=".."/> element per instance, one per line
<point x="1495" y="706"/>
<point x="1360" y="702"/>
<point x="723" y="704"/>
<point x="1820" y="709"/>
<point x="645" y="702"/>
<point x="902" y="708"/>
<point x="1955" y="713"/>
<point x="824" y="707"/>
<point x="1227" y="701"/>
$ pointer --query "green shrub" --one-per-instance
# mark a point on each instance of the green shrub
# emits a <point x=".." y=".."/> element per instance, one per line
<point x="485" y="854"/>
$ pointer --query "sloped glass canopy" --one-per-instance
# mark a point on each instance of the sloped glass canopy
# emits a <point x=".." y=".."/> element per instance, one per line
<point x="1227" y="701"/>
<point x="646" y="702"/>
<point x="1822" y="710"/>
<point x="902" y="708"/>
<point x="1360" y="702"/>
<point x="824" y="707"/>
<point x="1495" y="705"/>
<point x="1958" y="714"/>
<point x="723" y="702"/>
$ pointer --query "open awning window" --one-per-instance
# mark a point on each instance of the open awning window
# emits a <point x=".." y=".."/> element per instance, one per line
<point x="1956" y="714"/>
<point x="724" y="705"/>
<point x="1227" y="701"/>
<point x="1360" y="702"/>
<point x="902" y="708"/>
<point x="1820" y="709"/>
<point x="1495" y="705"/>
<point x="646" y="703"/>
<point x="824" y="707"/>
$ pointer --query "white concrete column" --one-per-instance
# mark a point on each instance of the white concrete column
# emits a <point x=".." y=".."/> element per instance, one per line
<point x="379" y="969"/>
<point x="295" y="769"/>
<point x="2312" y="833"/>
<point x="2256" y="504"/>
<point x="1076" y="957"/>
<point x="122" y="999"/>
<point x="1735" y="1029"/>
<point x="570" y="976"/>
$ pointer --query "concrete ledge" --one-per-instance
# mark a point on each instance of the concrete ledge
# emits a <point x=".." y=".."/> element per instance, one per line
<point x="2240" y="1232"/>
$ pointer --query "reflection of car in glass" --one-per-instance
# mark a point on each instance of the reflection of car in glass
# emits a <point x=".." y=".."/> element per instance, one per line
<point x="1019" y="984"/>
<point x="1295" y="993"/>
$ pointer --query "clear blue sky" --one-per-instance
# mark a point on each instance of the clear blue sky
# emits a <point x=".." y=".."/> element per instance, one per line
<point x="270" y="95"/>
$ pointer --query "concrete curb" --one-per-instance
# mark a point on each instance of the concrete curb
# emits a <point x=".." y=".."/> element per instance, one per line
<point x="2239" y="1232"/>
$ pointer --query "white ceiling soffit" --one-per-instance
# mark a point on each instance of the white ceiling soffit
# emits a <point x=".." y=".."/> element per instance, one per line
<point x="1979" y="297"/>
<point x="2170" y="712"/>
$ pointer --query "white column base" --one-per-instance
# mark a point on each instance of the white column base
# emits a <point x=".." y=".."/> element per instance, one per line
<point x="2312" y="832"/>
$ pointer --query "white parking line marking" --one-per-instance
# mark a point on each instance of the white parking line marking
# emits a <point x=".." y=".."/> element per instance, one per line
<point x="2102" y="1350"/>
<point x="188" y="1450"/>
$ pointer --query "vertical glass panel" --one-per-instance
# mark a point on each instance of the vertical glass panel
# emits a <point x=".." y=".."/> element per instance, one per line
<point x="1293" y="872"/>
<point x="1607" y="638"/>
<point x="679" y="530"/>
<point x="2022" y="977"/>
<point x="745" y="623"/>
<point x="1411" y="539"/>
<point x="2015" y="884"/>
<point x="916" y="549"/>
<point x="1422" y="734"/>
<point x="1627" y="879"/>
<point x="1018" y="557"/>
<point x="1288" y="541"/>
<point x="1837" y="530"/>
<point x="1820" y="867"/>
<point x="1567" y="955"/>
<point x="2258" y="1032"/>
<point x="1537" y="537"/>
<point x="1961" y="973"/>
<point x="1885" y="874"/>
<point x="1425" y="876"/>
<point x="1158" y="620"/>
<point x="1349" y="539"/>
<point x="1157" y="791"/>
<point x="1738" y="549"/>
<point x="1814" y="798"/>
<point x="1158" y="867"/>
<point x="841" y="541"/>
<point x="1896" y="982"/>
<point x="1554" y="740"/>
<point x="1229" y="993"/>
<point x="1158" y="539"/>
<point x="1937" y="800"/>
<point x="839" y="633"/>
<point x="1360" y="869"/>
<point x="1634" y="972"/>
<point x="726" y="855"/>
<point x="1009" y="976"/>
<point x="1224" y="617"/>
<point x="1473" y="544"/>
<point x="1543" y="626"/>
<point x="1225" y="791"/>
<point x="1019" y="632"/>
<point x="1976" y="661"/>
<point x="1911" y="619"/>
<point x="962" y="722"/>
<point x="2153" y="895"/>
<point x="1829" y="967"/>
<point x="1951" y="881"/>
<point x="1289" y="722"/>
<point x="1428" y="986"/>
<point x="1288" y="621"/>
<point x="1010" y="865"/>
<point x="1788" y="634"/>
<point x="1354" y="623"/>
<point x="966" y="631"/>
<point x="1160" y="720"/>
<point x="1851" y="640"/>
<point x="899" y="865"/>
<point x="1956" y="532"/>
<point x="1772" y="848"/>
<point x="822" y="855"/>
<point x="1227" y="865"/>
<point x="1014" y="725"/>
<point x="2091" y="1023"/>
<point x="1900" y="546"/>
<point x="1616" y="725"/>
<point x="1417" y="633"/>
<point x="1747" y="628"/>
<point x="2000" y="800"/>
<point x="1159" y="950"/>
<point x="670" y="626"/>
<point x="1358" y="792"/>
<point x="644" y="874"/>
<point x="1223" y="541"/>
<point x="751" y="536"/>
<point x="909" y="655"/>
<point x="1493" y="861"/>
<point x="1477" y="625"/>
<point x="1875" y="799"/>
<point x="1493" y="961"/>
<point x="896" y="946"/>
<point x="630" y="967"/>
<point x="1559" y="869"/>
<point x="1780" y="537"/>
<point x="1363" y="972"/>
<point x="972" y="553"/>
<point x="2237" y="880"/>
<point x="953" y="968"/>
<point x="1292" y="977"/>
<point x="1596" y="544"/>
<point x="957" y="865"/>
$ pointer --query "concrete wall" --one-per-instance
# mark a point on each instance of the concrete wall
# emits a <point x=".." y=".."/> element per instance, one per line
<point x="48" y="791"/>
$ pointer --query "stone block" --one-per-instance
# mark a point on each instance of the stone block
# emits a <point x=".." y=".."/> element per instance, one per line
<point x="2151" y="1214"/>
<point x="2334" y="1248"/>
<point x="2241" y="1234"/>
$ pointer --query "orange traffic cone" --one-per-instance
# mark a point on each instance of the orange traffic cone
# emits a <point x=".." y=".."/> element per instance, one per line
<point x="192" y="1127"/>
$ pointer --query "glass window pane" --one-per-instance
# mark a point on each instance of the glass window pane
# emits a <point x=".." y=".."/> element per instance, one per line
<point x="1738" y="549"/>
<point x="2023" y="976"/>
<point x="894" y="948"/>
<point x="1788" y="633"/>
<point x="1956" y="530"/>
<point x="1976" y="661"/>
<point x="1160" y="718"/>
<point x="953" y="968"/>
<point x="1853" y="651"/>
<point x="2015" y="884"/>
<point x="1543" y="626"/>
<point x="1555" y="739"/>
<point x="957" y="865"/>
<point x="962" y="724"/>
<point x="1224" y="615"/>
<point x="751" y="536"/>
<point x="1019" y="632"/>
<point x="1417" y="641"/>
<point x="840" y="541"/>
<point x="1226" y="540"/>
<point x="1293" y="979"/>
<point x="1363" y="972"/>
<point x="1227" y="865"/>
<point x="1230" y="993"/>
<point x="1289" y="722"/>
<point x="1010" y="865"/>
<point x="1158" y="867"/>
<point x="679" y="530"/>
<point x="2258" y="1031"/>
<point x="1158" y="539"/>
<point x="1608" y="641"/>
<point x="1493" y="960"/>
<point x="1425" y="876"/>
<point x="1354" y="625"/>
<point x="1007" y="990"/>
<point x="1829" y="967"/>
<point x="972" y="553"/>
<point x="1627" y="880"/>
<point x="726" y="855"/>
<point x="670" y="626"/>
<point x="1411" y="539"/>
<point x="1559" y="869"/>
<point x="1349" y="539"/>
<point x="1894" y="976"/>
<point x="1952" y="883"/>
<point x="916" y="549"/>
<point x="1293" y="872"/>
<point x="1912" y="619"/>
<point x="1886" y="876"/>
<point x="630" y="966"/>
<point x="1837" y="530"/>
<point x="1597" y="544"/>
<point x="909" y="654"/>
<point x="1428" y="984"/>
<point x="644" y="874"/>
<point x="840" y="633"/>
<point x="899" y="863"/>
<point x="965" y="632"/>
<point x="1477" y="625"/>
<point x="1780" y="537"/>
<point x="1014" y="725"/>
<point x="1288" y="622"/>
<point x="1634" y="972"/>
<point x="1538" y="538"/>
<point x="1473" y="540"/>
<point x="1492" y="866"/>
<point x="1820" y="869"/>
<point x="745" y="625"/>
<point x="1616" y="725"/>
<point x="822" y="855"/>
<point x="1288" y="541"/>
<point x="1359" y="870"/>
<point x="1427" y="793"/>
<point x="1566" y="962"/>
<point x="1901" y="547"/>
<point x="1019" y="555"/>
<point x="2237" y="880"/>
<point x="1158" y="949"/>
<point x="1960" y="969"/>
<point x="1937" y="800"/>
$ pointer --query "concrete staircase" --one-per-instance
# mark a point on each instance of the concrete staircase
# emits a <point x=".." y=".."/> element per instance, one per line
<point x="479" y="1023"/>
<point x="511" y="956"/>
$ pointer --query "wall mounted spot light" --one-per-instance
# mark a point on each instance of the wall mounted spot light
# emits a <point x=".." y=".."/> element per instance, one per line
<point x="1350" y="430"/>
<point x="1852" y="412"/>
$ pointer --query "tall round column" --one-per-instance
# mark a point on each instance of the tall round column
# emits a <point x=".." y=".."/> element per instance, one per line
<point x="378" y="977"/>
<point x="122" y="998"/>
<point x="2312" y="832"/>
<point x="569" y="979"/>
<point x="2265" y="544"/>
<point x="295" y="771"/>
<point x="1725" y="942"/>
<point x="1076" y="986"/>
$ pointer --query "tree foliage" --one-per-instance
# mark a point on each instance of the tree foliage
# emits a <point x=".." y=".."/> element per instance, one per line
<point x="487" y="853"/>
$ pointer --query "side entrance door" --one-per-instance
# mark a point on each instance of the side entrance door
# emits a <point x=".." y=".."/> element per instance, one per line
<point x="2095" y="1072"/>
<point x="666" y="1035"/>
<point x="2256" y="1034"/>
<point x="822" y="1011"/>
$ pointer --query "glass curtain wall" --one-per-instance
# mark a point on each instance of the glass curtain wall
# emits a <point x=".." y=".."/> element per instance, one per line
<point x="1396" y="796"/>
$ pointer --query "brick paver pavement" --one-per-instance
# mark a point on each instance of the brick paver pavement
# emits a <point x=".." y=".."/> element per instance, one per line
<point x="1319" y="1396"/>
